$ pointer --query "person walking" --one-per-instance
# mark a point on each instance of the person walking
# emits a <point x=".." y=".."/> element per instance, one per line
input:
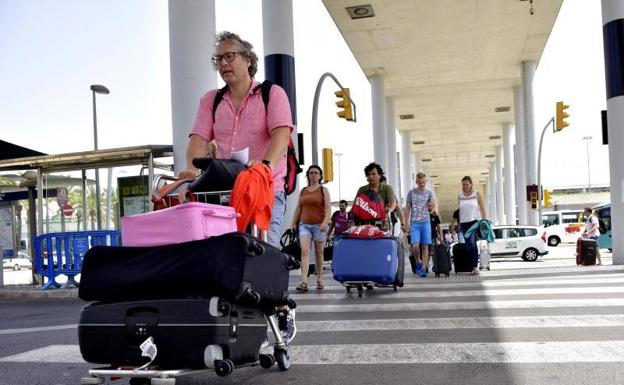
<point x="471" y="210"/>
<point x="416" y="214"/>
<point x="592" y="230"/>
<point x="339" y="219"/>
<point x="312" y="218"/>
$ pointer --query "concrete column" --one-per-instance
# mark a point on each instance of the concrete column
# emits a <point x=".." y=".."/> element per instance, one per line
<point x="392" y="173"/>
<point x="510" y="196"/>
<point x="500" y="204"/>
<point x="406" y="167"/>
<point x="191" y="37"/>
<point x="279" y="64"/>
<point x="378" y="102"/>
<point x="520" y="156"/>
<point x="492" y="195"/>
<point x="528" y="72"/>
<point x="613" y="25"/>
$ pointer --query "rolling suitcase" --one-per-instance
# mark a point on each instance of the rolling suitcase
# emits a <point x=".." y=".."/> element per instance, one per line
<point x="186" y="332"/>
<point x="441" y="260"/>
<point x="234" y="266"/>
<point x="484" y="258"/>
<point x="374" y="261"/>
<point x="186" y="222"/>
<point x="586" y="252"/>
<point x="461" y="258"/>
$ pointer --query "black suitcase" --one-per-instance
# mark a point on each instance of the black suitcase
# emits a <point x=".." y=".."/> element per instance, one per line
<point x="234" y="266"/>
<point x="401" y="269"/>
<point x="461" y="258"/>
<point x="188" y="333"/>
<point x="441" y="260"/>
<point x="586" y="252"/>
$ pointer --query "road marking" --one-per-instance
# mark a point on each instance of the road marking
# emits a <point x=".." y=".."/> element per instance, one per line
<point x="515" y="304"/>
<point x="385" y="293"/>
<point x="592" y="321"/>
<point x="37" y="329"/>
<point x="427" y="353"/>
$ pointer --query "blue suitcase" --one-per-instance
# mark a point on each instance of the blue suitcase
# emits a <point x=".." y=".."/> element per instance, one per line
<point x="367" y="262"/>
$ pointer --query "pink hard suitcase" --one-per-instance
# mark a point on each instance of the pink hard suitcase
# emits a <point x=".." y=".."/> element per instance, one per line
<point x="186" y="222"/>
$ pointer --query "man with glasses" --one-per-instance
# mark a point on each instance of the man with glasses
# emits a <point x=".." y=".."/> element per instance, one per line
<point x="241" y="121"/>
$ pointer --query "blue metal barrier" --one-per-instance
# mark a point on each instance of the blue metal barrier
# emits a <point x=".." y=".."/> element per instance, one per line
<point x="62" y="253"/>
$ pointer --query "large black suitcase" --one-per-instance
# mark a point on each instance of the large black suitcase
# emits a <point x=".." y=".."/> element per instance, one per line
<point x="461" y="258"/>
<point x="586" y="252"/>
<point x="234" y="266"/>
<point x="441" y="260"/>
<point x="187" y="332"/>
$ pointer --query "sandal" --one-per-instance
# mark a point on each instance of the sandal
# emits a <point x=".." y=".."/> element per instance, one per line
<point x="319" y="286"/>
<point x="302" y="286"/>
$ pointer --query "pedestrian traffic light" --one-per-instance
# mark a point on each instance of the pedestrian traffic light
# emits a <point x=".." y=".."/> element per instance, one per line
<point x="345" y="104"/>
<point x="560" y="117"/>
<point x="533" y="199"/>
<point x="328" y="164"/>
<point x="547" y="198"/>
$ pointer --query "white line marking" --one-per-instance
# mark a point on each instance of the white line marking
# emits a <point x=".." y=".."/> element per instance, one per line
<point x="37" y="329"/>
<point x="505" y="352"/>
<point x="591" y="321"/>
<point x="514" y="304"/>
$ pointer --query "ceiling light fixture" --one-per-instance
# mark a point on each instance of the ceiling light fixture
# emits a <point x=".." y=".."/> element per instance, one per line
<point x="502" y="109"/>
<point x="426" y="160"/>
<point x="360" y="11"/>
<point x="406" y="116"/>
<point x="494" y="137"/>
<point x="489" y="156"/>
<point x="418" y="142"/>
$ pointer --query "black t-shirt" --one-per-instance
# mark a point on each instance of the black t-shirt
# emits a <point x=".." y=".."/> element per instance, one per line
<point x="435" y="221"/>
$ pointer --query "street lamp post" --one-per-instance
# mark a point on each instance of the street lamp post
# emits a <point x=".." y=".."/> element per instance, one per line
<point x="587" y="139"/>
<point x="97" y="89"/>
<point x="339" y="155"/>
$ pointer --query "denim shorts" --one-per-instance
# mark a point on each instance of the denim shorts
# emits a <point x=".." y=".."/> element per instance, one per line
<point x="420" y="232"/>
<point x="313" y="232"/>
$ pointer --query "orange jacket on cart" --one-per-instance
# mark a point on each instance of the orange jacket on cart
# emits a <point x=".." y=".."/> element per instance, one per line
<point x="252" y="197"/>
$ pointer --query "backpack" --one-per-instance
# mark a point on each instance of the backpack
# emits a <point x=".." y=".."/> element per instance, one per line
<point x="368" y="206"/>
<point x="292" y="163"/>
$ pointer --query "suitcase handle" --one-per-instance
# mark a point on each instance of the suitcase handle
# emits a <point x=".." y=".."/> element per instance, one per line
<point x="219" y="213"/>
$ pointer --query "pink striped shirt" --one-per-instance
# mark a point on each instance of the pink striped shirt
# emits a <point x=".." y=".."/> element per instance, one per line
<point x="250" y="127"/>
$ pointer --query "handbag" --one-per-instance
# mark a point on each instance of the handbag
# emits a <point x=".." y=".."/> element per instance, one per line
<point x="216" y="175"/>
<point x="290" y="243"/>
<point x="328" y="251"/>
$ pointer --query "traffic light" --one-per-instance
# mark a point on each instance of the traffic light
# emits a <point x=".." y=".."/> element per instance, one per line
<point x="560" y="117"/>
<point x="533" y="199"/>
<point x="345" y="104"/>
<point x="547" y="198"/>
<point x="328" y="164"/>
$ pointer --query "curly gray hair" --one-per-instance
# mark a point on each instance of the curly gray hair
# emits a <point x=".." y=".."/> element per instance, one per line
<point x="246" y="49"/>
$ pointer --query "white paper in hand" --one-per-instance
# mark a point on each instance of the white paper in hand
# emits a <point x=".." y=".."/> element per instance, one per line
<point x="241" y="156"/>
<point x="148" y="349"/>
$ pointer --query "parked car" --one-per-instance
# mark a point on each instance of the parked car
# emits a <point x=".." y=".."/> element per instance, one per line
<point x="22" y="260"/>
<point x="527" y="242"/>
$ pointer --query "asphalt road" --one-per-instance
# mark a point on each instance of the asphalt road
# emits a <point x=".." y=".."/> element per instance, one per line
<point x="546" y="322"/>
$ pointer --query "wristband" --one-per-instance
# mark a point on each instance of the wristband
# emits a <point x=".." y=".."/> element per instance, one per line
<point x="267" y="163"/>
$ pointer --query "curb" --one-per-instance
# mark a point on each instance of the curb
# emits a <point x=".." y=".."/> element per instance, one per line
<point x="35" y="292"/>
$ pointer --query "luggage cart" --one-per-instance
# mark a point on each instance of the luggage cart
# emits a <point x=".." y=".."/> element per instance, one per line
<point x="154" y="375"/>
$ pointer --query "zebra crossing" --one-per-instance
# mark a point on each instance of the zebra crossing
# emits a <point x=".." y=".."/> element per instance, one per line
<point x="559" y="318"/>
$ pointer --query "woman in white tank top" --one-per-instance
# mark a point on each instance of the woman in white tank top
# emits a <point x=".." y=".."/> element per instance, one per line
<point x="471" y="209"/>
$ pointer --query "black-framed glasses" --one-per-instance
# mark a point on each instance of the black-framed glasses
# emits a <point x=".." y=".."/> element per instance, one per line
<point x="228" y="56"/>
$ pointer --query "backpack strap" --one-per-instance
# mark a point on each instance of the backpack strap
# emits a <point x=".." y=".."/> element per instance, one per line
<point x="265" y="91"/>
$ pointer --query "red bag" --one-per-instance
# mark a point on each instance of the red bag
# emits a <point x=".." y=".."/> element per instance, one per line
<point x="364" y="231"/>
<point x="369" y="206"/>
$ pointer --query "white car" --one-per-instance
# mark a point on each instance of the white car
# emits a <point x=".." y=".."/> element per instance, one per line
<point x="16" y="263"/>
<point x="527" y="242"/>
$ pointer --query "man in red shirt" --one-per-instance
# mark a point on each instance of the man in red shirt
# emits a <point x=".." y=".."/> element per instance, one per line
<point x="242" y="121"/>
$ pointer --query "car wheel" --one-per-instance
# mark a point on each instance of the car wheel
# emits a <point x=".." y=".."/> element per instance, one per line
<point x="554" y="241"/>
<point x="16" y="267"/>
<point x="530" y="255"/>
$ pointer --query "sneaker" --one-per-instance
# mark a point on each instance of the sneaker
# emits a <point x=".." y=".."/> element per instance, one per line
<point x="286" y="324"/>
<point x="419" y="266"/>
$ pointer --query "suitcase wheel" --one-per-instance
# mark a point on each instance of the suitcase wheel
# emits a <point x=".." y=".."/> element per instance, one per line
<point x="282" y="357"/>
<point x="224" y="367"/>
<point x="267" y="360"/>
<point x="396" y="288"/>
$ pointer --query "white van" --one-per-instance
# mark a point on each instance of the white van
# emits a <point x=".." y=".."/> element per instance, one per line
<point x="562" y="226"/>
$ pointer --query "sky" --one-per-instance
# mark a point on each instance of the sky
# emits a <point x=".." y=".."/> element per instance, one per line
<point x="53" y="50"/>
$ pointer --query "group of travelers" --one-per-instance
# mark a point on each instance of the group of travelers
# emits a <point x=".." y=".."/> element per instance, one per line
<point x="239" y="117"/>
